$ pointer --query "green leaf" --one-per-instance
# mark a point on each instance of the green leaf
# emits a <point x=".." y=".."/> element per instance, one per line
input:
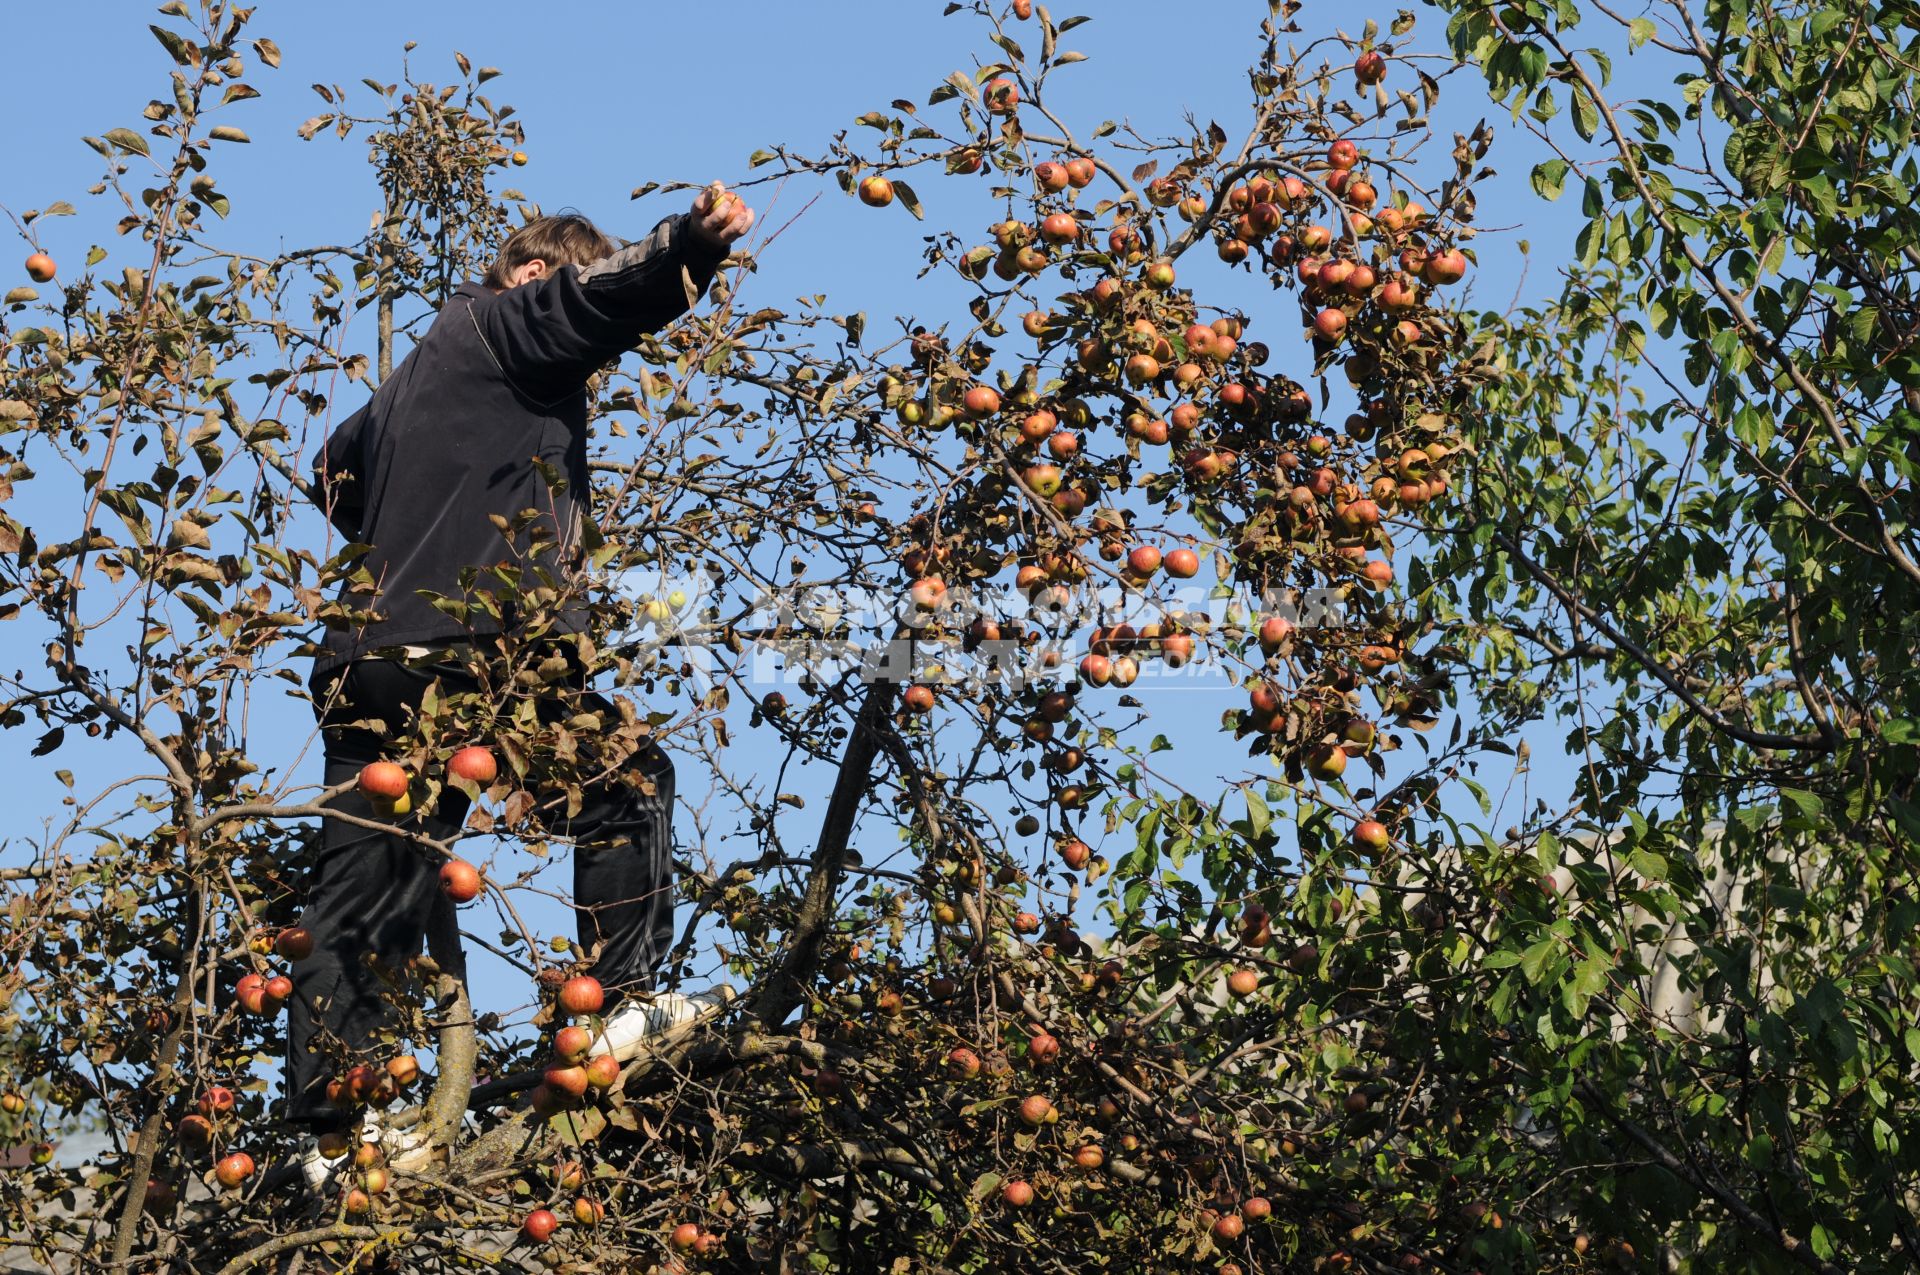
<point x="1549" y="177"/>
<point x="577" y="1128"/>
<point x="1586" y="116"/>
<point x="1259" y="818"/>
<point x="127" y="140"/>
<point x="1752" y="154"/>
<point x="1639" y="31"/>
<point x="1536" y="959"/>
<point x="1808" y="804"/>
<point x="183" y="53"/>
<point x="909" y="200"/>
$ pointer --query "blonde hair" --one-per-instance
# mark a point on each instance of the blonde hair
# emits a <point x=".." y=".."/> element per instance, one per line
<point x="563" y="239"/>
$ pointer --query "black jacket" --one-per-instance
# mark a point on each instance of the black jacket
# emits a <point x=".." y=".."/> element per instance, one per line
<point x="487" y="415"/>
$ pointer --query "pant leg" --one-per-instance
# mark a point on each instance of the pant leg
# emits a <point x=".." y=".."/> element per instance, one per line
<point x="371" y="894"/>
<point x="623" y="875"/>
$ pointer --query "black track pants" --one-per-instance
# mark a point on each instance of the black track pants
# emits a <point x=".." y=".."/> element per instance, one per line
<point x="372" y="893"/>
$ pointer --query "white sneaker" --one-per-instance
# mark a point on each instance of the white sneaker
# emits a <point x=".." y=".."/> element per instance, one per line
<point x="641" y="1018"/>
<point x="405" y="1150"/>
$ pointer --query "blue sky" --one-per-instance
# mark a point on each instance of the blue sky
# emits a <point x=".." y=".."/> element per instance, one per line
<point x="614" y="95"/>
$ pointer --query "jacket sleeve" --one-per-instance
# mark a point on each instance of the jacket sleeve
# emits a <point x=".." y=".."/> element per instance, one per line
<point x="550" y="335"/>
<point x="339" y="488"/>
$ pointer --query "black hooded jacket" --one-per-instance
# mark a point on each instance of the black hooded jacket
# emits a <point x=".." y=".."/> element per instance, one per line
<point x="486" y="416"/>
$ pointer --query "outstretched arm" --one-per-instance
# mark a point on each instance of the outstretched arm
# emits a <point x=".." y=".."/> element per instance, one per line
<point x="551" y="334"/>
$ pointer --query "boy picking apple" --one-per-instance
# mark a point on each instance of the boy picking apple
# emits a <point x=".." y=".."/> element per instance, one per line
<point x="466" y="432"/>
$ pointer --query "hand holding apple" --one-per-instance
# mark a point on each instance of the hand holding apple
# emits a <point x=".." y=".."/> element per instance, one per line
<point x="719" y="216"/>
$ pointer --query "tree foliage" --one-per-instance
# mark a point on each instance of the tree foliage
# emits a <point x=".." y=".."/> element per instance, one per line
<point x="1015" y="999"/>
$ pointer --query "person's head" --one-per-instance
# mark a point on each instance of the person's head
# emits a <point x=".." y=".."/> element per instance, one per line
<point x="545" y="244"/>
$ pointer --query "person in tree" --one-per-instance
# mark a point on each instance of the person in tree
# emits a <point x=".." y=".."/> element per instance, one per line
<point x="482" y="425"/>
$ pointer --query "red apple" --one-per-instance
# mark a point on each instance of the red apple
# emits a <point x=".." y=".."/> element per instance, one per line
<point x="602" y="1071"/>
<point x="1327" y="761"/>
<point x="460" y="881"/>
<point x="294" y="943"/>
<point x="1037" y="1110"/>
<point x="1017" y="1194"/>
<point x="1144" y="560"/>
<point x="474" y="764"/>
<point x="1037" y="425"/>
<point x="1342" y="155"/>
<point x="1330" y="324"/>
<point x="361" y="1082"/>
<point x="1060" y="228"/>
<point x="569" y="1079"/>
<point x="927" y="592"/>
<point x="40" y="267"/>
<point x="250" y="991"/>
<point x="876" y="192"/>
<point x="571" y="1043"/>
<point x="1370" y="67"/>
<point x="383" y="781"/>
<point x="1042" y="480"/>
<point x="981" y="401"/>
<point x="540" y="1225"/>
<point x="582" y="994"/>
<point x="1446" y="267"/>
<point x="160" y="1197"/>
<point x="233" y="1169"/>
<point x="918" y="699"/>
<point x="1001" y="96"/>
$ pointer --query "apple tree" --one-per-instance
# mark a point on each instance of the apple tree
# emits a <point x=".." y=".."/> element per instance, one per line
<point x="1016" y="992"/>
